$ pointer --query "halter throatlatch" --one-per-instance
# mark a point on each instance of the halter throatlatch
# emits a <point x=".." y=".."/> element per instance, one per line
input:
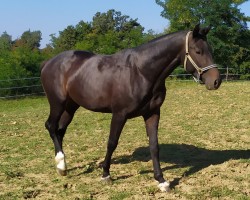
<point x="188" y="57"/>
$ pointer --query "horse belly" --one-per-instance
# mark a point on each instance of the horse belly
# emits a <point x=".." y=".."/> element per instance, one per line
<point x="90" y="94"/>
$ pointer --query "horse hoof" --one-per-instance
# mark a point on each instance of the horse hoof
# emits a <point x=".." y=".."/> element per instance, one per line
<point x="61" y="172"/>
<point x="106" y="179"/>
<point x="164" y="187"/>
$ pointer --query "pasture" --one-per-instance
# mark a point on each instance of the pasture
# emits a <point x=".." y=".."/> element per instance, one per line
<point x="204" y="138"/>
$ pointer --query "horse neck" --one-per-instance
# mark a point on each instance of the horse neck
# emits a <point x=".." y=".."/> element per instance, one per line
<point x="161" y="56"/>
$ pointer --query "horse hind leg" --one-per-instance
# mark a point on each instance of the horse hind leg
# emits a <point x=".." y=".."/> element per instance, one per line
<point x="64" y="121"/>
<point x="56" y="111"/>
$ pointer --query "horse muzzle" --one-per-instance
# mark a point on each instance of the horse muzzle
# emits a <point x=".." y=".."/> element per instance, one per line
<point x="211" y="79"/>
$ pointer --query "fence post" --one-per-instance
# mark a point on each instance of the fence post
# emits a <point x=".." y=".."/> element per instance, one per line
<point x="227" y="73"/>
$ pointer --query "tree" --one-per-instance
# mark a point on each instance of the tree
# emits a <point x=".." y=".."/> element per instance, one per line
<point x="69" y="37"/>
<point x="30" y="40"/>
<point x="229" y="37"/>
<point x="112" y="21"/>
<point x="82" y="30"/>
<point x="185" y="14"/>
<point x="5" y="42"/>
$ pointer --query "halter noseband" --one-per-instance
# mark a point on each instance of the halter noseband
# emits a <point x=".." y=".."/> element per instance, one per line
<point x="188" y="57"/>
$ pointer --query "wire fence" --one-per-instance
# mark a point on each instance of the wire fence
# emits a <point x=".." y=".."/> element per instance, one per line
<point x="20" y="87"/>
<point x="24" y="87"/>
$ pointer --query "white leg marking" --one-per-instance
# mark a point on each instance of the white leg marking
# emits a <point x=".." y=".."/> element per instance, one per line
<point x="164" y="187"/>
<point x="105" y="178"/>
<point x="60" y="161"/>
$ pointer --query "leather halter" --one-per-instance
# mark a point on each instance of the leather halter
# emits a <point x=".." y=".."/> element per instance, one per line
<point x="188" y="57"/>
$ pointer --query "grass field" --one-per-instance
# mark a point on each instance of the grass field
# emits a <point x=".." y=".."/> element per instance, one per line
<point x="204" y="139"/>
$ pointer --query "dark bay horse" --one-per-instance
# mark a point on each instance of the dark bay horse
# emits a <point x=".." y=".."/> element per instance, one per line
<point x="127" y="84"/>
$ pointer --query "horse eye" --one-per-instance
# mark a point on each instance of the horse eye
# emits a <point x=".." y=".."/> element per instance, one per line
<point x="198" y="51"/>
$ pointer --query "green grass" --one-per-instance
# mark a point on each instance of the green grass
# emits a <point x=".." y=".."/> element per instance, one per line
<point x="204" y="140"/>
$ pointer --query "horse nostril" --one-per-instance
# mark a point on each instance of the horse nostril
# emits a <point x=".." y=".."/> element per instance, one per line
<point x="216" y="83"/>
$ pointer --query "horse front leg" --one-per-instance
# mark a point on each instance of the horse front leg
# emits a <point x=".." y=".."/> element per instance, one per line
<point x="117" y="123"/>
<point x="152" y="122"/>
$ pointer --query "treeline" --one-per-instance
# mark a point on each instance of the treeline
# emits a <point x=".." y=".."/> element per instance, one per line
<point x="112" y="31"/>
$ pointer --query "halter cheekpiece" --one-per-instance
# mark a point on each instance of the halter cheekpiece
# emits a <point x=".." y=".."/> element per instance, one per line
<point x="188" y="57"/>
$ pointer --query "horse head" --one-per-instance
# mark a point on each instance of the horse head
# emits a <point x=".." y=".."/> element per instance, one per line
<point x="198" y="58"/>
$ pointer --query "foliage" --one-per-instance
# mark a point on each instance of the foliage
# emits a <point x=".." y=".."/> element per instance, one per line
<point x="230" y="36"/>
<point x="108" y="33"/>
<point x="245" y="70"/>
<point x="10" y="69"/>
<point x="5" y="42"/>
<point x="19" y="59"/>
<point x="30" y="40"/>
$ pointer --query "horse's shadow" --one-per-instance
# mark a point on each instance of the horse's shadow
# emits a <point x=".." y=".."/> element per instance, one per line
<point x="183" y="155"/>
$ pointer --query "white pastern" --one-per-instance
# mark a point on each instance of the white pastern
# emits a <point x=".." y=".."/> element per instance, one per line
<point x="164" y="187"/>
<point x="60" y="161"/>
<point x="106" y="179"/>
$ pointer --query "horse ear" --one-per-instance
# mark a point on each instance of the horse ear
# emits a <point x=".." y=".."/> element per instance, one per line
<point x="196" y="30"/>
<point x="205" y="30"/>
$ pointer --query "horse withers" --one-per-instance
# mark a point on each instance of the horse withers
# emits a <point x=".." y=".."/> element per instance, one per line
<point x="127" y="84"/>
